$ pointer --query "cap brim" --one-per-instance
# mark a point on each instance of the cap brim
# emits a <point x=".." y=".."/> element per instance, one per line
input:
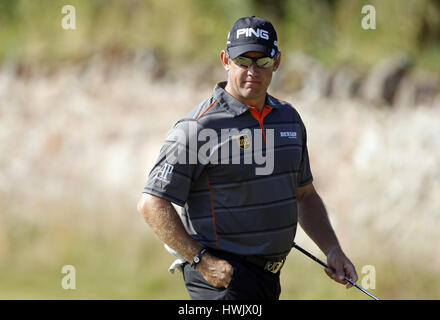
<point x="234" y="52"/>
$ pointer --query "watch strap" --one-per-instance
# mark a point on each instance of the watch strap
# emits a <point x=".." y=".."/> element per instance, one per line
<point x="198" y="257"/>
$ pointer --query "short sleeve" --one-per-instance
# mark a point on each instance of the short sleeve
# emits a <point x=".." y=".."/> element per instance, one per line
<point x="305" y="174"/>
<point x="177" y="166"/>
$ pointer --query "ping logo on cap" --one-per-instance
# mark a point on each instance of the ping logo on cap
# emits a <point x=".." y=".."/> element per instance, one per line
<point x="251" y="34"/>
<point x="248" y="32"/>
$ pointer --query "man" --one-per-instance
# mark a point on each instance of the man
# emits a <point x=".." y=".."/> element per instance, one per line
<point x="238" y="165"/>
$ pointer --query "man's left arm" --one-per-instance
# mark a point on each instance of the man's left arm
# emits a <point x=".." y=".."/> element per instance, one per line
<point x="313" y="219"/>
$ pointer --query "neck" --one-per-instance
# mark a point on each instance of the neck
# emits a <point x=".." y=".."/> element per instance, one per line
<point x="257" y="103"/>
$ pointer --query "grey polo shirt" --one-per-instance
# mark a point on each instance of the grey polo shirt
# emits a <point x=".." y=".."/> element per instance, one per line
<point x="235" y="172"/>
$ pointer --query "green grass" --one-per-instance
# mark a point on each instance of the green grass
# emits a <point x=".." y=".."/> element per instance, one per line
<point x="114" y="263"/>
<point x="196" y="29"/>
<point x="104" y="270"/>
<point x="117" y="257"/>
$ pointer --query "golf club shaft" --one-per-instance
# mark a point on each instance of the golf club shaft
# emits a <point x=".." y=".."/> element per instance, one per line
<point x="325" y="265"/>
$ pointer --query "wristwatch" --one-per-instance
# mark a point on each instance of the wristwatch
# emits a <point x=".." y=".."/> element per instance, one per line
<point x="198" y="257"/>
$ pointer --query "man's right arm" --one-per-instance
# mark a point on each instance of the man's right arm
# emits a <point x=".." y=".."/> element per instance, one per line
<point x="163" y="219"/>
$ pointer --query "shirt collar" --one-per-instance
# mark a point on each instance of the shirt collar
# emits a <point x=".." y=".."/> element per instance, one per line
<point x="231" y="104"/>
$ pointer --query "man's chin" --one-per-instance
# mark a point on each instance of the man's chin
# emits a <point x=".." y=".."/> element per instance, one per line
<point x="252" y="93"/>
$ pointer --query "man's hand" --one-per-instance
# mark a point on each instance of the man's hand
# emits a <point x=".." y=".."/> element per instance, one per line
<point x="340" y="267"/>
<point x="216" y="271"/>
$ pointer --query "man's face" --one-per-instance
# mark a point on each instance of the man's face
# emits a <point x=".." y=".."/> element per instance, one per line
<point x="248" y="83"/>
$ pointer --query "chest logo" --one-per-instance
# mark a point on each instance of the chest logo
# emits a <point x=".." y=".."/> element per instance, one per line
<point x="243" y="141"/>
<point x="288" y="134"/>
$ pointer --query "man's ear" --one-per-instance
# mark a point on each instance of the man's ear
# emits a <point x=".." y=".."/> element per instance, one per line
<point x="225" y="60"/>
<point x="277" y="62"/>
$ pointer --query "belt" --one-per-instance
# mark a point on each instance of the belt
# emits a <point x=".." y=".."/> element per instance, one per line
<point x="268" y="265"/>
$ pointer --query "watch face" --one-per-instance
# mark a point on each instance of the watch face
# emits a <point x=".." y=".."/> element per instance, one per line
<point x="196" y="259"/>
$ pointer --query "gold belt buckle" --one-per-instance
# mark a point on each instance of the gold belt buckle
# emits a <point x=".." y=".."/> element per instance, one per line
<point x="274" y="266"/>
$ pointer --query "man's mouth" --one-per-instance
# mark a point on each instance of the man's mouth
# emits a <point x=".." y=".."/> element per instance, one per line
<point x="252" y="82"/>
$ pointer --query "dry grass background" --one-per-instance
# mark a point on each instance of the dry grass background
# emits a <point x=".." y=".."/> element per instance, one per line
<point x="77" y="143"/>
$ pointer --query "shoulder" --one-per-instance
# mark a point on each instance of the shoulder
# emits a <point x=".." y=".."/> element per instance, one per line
<point x="287" y="109"/>
<point x="206" y="107"/>
<point x="210" y="113"/>
<point x="200" y="115"/>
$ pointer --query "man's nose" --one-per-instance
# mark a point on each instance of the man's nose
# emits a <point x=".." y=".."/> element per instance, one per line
<point x="253" y="69"/>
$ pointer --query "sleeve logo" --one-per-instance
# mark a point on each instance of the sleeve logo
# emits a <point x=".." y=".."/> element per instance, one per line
<point x="164" y="174"/>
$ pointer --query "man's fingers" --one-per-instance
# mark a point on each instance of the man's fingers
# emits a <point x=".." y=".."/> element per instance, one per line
<point x="228" y="274"/>
<point x="217" y="272"/>
<point x="351" y="271"/>
<point x="340" y="268"/>
<point x="340" y="273"/>
<point x="220" y="281"/>
<point x="335" y="276"/>
<point x="330" y="273"/>
<point x="228" y="279"/>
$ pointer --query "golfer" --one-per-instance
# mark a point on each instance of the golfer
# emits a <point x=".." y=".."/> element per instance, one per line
<point x="238" y="166"/>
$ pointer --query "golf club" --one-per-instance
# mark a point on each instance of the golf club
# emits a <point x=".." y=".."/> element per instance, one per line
<point x="325" y="265"/>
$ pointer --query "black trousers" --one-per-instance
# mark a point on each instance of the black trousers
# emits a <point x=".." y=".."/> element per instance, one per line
<point x="249" y="282"/>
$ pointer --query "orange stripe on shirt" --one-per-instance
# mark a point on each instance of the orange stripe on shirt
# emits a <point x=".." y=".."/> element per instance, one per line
<point x="212" y="210"/>
<point x="206" y="109"/>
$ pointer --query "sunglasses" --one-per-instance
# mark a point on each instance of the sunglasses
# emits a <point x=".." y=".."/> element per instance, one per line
<point x="263" y="62"/>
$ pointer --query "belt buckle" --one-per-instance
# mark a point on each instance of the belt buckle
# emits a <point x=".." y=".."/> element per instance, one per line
<point x="274" y="266"/>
